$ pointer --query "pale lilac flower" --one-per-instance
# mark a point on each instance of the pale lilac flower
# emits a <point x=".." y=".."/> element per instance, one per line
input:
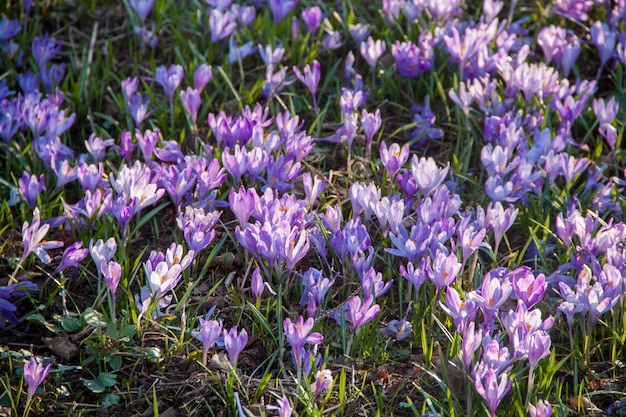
<point x="416" y="276"/>
<point x="96" y="146"/>
<point x="271" y="56"/>
<point x="360" y="312"/>
<point x="30" y="187"/>
<point x="426" y="174"/>
<point x="169" y="78"/>
<point x="112" y="272"/>
<point x="542" y="409"/>
<point x="500" y="220"/>
<point x="72" y="256"/>
<point x="492" y="387"/>
<point x="372" y="50"/>
<point x="312" y="18"/>
<point x="242" y="203"/>
<point x="191" y="103"/>
<point x="33" y="239"/>
<point x="222" y="24"/>
<point x="394" y="157"/>
<point x="411" y="59"/>
<point x="235" y="343"/>
<point x="398" y="329"/>
<point x="606" y="112"/>
<point x="44" y="49"/>
<point x="202" y="76"/>
<point x="472" y="340"/>
<point x="575" y="9"/>
<point x="147" y="142"/>
<point x="323" y="382"/>
<point x="281" y="8"/>
<point x="313" y="187"/>
<point x="284" y="407"/>
<point x="34" y="374"/>
<point x="142" y="8"/>
<point x="236" y="53"/>
<point x="163" y="278"/>
<point x="359" y="32"/>
<point x="371" y="123"/>
<point x="528" y="288"/>
<point x="538" y="346"/>
<point x="552" y="40"/>
<point x="299" y="333"/>
<point x="209" y="333"/>
<point x="604" y="38"/>
<point x="444" y="270"/>
<point x="310" y="79"/>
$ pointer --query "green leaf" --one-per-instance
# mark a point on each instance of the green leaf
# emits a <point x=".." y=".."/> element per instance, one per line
<point x="94" y="385"/>
<point x="107" y="379"/>
<point x="38" y="318"/>
<point x="115" y="362"/>
<point x="71" y="324"/>
<point x="110" y="399"/>
<point x="94" y="318"/>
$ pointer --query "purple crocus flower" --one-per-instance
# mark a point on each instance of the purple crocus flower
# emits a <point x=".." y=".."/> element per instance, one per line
<point x="33" y="239"/>
<point x="313" y="187"/>
<point x="394" y="157"/>
<point x="371" y="123"/>
<point x="411" y="59"/>
<point x="444" y="270"/>
<point x="472" y="340"/>
<point x="210" y="331"/>
<point x="606" y="111"/>
<point x="96" y="146"/>
<point x="30" y="187"/>
<point x="426" y="174"/>
<point x="142" y="8"/>
<point x="359" y="32"/>
<point x="298" y="334"/>
<point x="89" y="175"/>
<point x="372" y="50"/>
<point x="235" y="343"/>
<point x="281" y="8"/>
<point x="202" y="76"/>
<point x="178" y="183"/>
<point x="72" y="256"/>
<point x="284" y="407"/>
<point x="416" y="276"/>
<point x="500" y="220"/>
<point x="310" y="79"/>
<point x="34" y="374"/>
<point x="256" y="284"/>
<point x="44" y="49"/>
<point x="198" y="227"/>
<point x="222" y="24"/>
<point x="462" y="311"/>
<point x="568" y="56"/>
<point x="542" y="409"/>
<point x="112" y="272"/>
<point x="102" y="252"/>
<point x="492" y="387"/>
<point x="323" y="382"/>
<point x="242" y="203"/>
<point x="169" y="78"/>
<point x="538" y="346"/>
<point x="361" y="312"/>
<point x="551" y="39"/>
<point x="147" y="142"/>
<point x="191" y="103"/>
<point x="604" y="38"/>
<point x="528" y="288"/>
<point x="312" y="18"/>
